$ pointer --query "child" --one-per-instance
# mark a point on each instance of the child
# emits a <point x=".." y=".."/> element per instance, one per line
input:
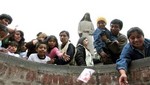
<point x="40" y="56"/>
<point x="83" y="56"/>
<point x="53" y="50"/>
<point x="31" y="45"/>
<point x="23" y="51"/>
<point x="11" y="49"/>
<point x="98" y="43"/>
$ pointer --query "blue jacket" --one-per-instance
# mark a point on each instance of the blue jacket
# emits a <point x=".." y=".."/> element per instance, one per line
<point x="98" y="43"/>
<point x="129" y="53"/>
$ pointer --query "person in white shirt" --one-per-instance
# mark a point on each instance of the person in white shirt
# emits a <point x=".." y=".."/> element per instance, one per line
<point x="11" y="49"/>
<point x="40" y="56"/>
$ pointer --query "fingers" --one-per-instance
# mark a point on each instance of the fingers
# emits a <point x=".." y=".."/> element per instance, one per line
<point x="67" y="58"/>
<point x="123" y="80"/>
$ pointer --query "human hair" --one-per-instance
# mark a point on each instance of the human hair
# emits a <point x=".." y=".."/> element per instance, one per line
<point x="41" y="35"/>
<point x="13" y="43"/>
<point x="134" y="29"/>
<point x="52" y="37"/>
<point x="117" y="21"/>
<point x="80" y="41"/>
<point x="38" y="34"/>
<point x="21" y="35"/>
<point x="39" y="43"/>
<point x="6" y="16"/>
<point x="64" y="31"/>
<point x="88" y="17"/>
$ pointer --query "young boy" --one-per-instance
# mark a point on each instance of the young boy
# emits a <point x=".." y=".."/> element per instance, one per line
<point x="11" y="49"/>
<point x="40" y="56"/>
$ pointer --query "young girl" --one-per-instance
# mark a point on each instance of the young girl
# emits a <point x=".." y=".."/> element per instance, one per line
<point x="53" y="50"/>
<point x="17" y="36"/>
<point x="83" y="56"/>
<point x="40" y="56"/>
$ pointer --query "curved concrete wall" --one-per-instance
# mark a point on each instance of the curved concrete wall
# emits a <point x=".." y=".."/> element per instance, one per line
<point x="15" y="71"/>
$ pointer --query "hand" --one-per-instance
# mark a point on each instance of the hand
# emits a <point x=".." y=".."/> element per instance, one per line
<point x="66" y="57"/>
<point x="104" y="38"/>
<point x="116" y="41"/>
<point x="51" y="61"/>
<point x="123" y="79"/>
<point x="104" y="56"/>
<point x="34" y="41"/>
<point x="4" y="50"/>
<point x="11" y="30"/>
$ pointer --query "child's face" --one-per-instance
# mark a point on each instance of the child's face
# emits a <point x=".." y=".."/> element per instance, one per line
<point x="41" y="50"/>
<point x="23" y="47"/>
<point x="137" y="40"/>
<point x="101" y="24"/>
<point x="52" y="43"/>
<point x="12" y="49"/>
<point x="17" y="36"/>
<point x="41" y="37"/>
<point x="85" y="42"/>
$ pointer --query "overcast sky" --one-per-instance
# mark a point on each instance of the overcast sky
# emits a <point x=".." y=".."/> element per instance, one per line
<point x="53" y="16"/>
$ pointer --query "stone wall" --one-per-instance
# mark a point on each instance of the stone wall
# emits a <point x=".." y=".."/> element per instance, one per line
<point x="15" y="71"/>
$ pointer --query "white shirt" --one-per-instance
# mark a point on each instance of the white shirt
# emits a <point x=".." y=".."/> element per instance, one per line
<point x="89" y="59"/>
<point x="34" y="57"/>
<point x="14" y="54"/>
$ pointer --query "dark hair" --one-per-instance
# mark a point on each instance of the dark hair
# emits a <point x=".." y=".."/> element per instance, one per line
<point x="117" y="21"/>
<point x="13" y="43"/>
<point x="49" y="38"/>
<point x="134" y="29"/>
<point x="21" y="34"/>
<point x="39" y="43"/>
<point x="80" y="41"/>
<point x="6" y="16"/>
<point x="38" y="34"/>
<point x="64" y="31"/>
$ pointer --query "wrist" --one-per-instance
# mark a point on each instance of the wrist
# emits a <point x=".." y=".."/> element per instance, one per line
<point x="122" y="71"/>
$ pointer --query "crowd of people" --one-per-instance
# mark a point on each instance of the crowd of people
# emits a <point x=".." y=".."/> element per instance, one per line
<point x="112" y="46"/>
